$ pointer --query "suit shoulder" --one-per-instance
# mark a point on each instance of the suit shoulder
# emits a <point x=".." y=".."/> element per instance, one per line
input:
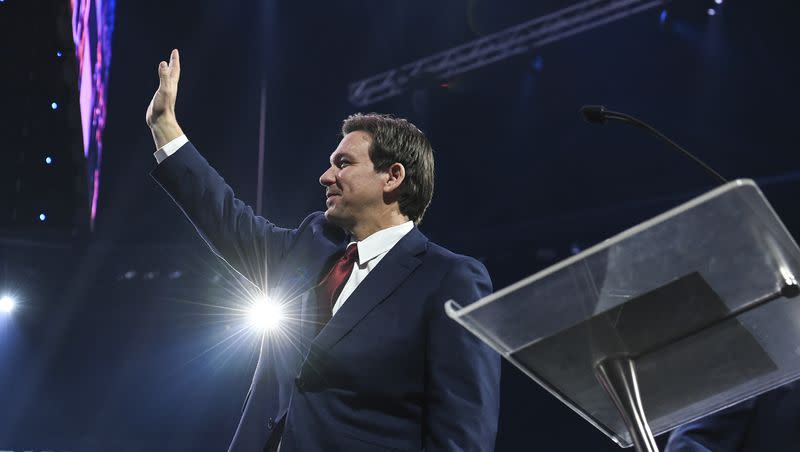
<point x="446" y="258"/>
<point x="455" y="276"/>
<point x="316" y="234"/>
<point x="318" y="225"/>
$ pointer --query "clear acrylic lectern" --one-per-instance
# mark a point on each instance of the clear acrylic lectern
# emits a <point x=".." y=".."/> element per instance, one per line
<point x="676" y="318"/>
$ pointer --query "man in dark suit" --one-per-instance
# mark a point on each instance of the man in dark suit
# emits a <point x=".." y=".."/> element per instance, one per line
<point x="368" y="359"/>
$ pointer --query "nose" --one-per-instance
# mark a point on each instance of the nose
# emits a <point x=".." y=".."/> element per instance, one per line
<point x="328" y="178"/>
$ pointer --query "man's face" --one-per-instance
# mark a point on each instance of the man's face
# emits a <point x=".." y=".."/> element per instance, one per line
<point x="354" y="190"/>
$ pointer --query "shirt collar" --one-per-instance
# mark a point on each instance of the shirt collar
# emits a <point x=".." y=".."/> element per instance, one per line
<point x="381" y="241"/>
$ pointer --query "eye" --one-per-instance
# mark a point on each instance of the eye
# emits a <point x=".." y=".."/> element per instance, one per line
<point x="343" y="163"/>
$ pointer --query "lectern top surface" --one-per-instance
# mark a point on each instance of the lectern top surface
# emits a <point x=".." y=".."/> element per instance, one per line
<point x="672" y="293"/>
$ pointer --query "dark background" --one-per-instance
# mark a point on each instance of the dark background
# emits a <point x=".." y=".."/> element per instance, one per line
<point x="121" y="341"/>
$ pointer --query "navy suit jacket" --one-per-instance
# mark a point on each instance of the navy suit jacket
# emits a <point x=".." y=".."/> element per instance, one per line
<point x="390" y="371"/>
<point x="769" y="422"/>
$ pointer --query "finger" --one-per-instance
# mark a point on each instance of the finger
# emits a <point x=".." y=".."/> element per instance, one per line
<point x="163" y="70"/>
<point x="175" y="63"/>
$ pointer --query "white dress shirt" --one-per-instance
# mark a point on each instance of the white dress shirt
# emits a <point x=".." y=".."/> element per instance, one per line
<point x="370" y="250"/>
<point x="170" y="148"/>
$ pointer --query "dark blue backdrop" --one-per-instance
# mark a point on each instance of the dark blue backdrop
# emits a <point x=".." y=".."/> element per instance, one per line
<point x="96" y="360"/>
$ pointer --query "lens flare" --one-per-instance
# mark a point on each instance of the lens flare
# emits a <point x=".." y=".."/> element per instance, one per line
<point x="265" y="314"/>
<point x="7" y="304"/>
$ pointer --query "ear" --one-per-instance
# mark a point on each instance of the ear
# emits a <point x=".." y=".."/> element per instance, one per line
<point x="396" y="175"/>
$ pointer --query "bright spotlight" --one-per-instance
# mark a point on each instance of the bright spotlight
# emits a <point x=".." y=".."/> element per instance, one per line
<point x="7" y="304"/>
<point x="265" y="314"/>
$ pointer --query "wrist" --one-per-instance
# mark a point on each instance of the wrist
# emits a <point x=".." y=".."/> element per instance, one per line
<point x="165" y="130"/>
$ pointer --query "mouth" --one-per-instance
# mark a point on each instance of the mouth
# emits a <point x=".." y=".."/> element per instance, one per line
<point x="329" y="197"/>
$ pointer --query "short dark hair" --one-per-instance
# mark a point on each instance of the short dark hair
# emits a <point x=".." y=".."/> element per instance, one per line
<point x="395" y="140"/>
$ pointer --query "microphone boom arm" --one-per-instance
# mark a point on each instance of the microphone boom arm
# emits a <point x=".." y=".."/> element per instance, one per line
<point x="597" y="114"/>
<point x="643" y="125"/>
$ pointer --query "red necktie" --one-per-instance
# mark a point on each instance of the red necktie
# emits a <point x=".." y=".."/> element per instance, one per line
<point x="331" y="286"/>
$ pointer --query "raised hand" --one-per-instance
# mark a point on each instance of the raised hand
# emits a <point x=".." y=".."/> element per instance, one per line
<point x="160" y="116"/>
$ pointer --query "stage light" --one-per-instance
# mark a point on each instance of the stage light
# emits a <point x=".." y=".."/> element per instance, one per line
<point x="42" y="216"/>
<point x="58" y="54"/>
<point x="7" y="304"/>
<point x="711" y="11"/>
<point x="54" y="106"/>
<point x="265" y="314"/>
<point x="48" y="160"/>
<point x="663" y="17"/>
<point x="538" y="63"/>
<point x="718" y="2"/>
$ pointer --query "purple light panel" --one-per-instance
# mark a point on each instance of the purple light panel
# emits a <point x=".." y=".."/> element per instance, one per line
<point x="92" y="27"/>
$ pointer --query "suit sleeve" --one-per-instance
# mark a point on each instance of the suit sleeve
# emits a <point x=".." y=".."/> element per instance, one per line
<point x="247" y="242"/>
<point x="462" y="373"/>
<point x="720" y="432"/>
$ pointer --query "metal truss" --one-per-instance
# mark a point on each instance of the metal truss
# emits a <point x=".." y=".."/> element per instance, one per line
<point x="495" y="47"/>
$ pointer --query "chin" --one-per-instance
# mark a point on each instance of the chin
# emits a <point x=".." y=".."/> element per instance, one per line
<point x="332" y="217"/>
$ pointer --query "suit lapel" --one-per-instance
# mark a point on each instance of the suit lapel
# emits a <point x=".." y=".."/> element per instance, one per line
<point x="390" y="272"/>
<point x="299" y="287"/>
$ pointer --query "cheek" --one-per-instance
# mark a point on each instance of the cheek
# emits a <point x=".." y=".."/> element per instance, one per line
<point x="356" y="185"/>
<point x="349" y="184"/>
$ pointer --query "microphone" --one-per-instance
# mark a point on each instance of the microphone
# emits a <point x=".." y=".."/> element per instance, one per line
<point x="597" y="114"/>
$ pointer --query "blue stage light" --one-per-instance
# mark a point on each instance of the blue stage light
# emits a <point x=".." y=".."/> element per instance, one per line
<point x="712" y="11"/>
<point x="7" y="304"/>
<point x="42" y="216"/>
<point x="265" y="314"/>
<point x="58" y="54"/>
<point x="538" y="63"/>
<point x="54" y="106"/>
<point x="718" y="2"/>
<point x="663" y="16"/>
<point x="48" y="160"/>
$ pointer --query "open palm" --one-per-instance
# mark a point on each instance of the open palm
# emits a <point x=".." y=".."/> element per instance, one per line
<point x="162" y="106"/>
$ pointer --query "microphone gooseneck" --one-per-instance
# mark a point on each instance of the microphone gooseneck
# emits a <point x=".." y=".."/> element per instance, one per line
<point x="598" y="114"/>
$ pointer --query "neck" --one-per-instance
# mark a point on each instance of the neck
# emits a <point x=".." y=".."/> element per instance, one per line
<point x="365" y="229"/>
